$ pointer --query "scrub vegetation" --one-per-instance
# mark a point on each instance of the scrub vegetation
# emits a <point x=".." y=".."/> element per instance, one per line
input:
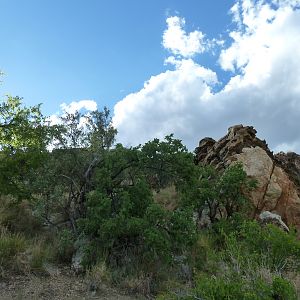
<point x="131" y="217"/>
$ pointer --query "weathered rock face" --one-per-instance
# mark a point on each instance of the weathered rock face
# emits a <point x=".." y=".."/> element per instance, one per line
<point x="278" y="176"/>
<point x="290" y="163"/>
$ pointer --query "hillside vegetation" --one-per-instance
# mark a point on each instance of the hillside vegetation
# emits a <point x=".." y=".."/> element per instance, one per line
<point x="132" y="217"/>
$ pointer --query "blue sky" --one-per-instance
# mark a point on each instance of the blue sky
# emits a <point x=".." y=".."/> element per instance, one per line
<point x="192" y="68"/>
<point x="60" y="51"/>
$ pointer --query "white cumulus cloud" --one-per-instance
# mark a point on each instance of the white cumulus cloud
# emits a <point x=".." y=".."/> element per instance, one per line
<point x="71" y="108"/>
<point x="263" y="58"/>
<point x="74" y="106"/>
<point x="162" y="107"/>
<point x="179" y="42"/>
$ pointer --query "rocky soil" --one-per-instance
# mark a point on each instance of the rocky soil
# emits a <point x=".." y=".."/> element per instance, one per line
<point x="61" y="284"/>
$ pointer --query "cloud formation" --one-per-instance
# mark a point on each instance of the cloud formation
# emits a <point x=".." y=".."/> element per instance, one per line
<point x="71" y="108"/>
<point x="263" y="58"/>
<point x="179" y="42"/>
<point x="74" y="106"/>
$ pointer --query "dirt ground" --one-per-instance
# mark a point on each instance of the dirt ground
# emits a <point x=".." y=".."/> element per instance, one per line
<point x="59" y="284"/>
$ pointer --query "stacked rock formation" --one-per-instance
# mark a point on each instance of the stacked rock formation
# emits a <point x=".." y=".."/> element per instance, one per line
<point x="278" y="176"/>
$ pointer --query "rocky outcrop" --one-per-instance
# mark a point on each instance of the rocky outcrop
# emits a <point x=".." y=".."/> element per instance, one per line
<point x="290" y="163"/>
<point x="238" y="137"/>
<point x="278" y="176"/>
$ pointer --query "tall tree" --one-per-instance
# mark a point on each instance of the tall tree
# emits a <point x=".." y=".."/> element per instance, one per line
<point x="24" y="136"/>
<point x="81" y="147"/>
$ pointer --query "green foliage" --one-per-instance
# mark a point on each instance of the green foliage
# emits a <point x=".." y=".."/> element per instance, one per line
<point x="240" y="259"/>
<point x="232" y="186"/>
<point x="65" y="246"/>
<point x="122" y="219"/>
<point x="283" y="289"/>
<point x="24" y="136"/>
<point x="221" y="194"/>
<point x="278" y="250"/>
<point x="21" y="127"/>
<point x="222" y="288"/>
<point x="136" y="224"/>
<point x="237" y="288"/>
<point x="93" y="131"/>
<point x="82" y="144"/>
<point x="203" y="256"/>
<point x="166" y="162"/>
<point x="101" y="132"/>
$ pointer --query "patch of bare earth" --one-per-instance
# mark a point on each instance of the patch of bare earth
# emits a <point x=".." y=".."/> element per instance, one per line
<point x="59" y="284"/>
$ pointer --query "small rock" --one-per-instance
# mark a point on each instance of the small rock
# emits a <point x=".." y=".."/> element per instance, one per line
<point x="267" y="217"/>
<point x="78" y="255"/>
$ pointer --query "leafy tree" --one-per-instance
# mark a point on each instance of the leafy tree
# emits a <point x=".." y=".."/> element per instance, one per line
<point x="166" y="162"/>
<point x="220" y="193"/>
<point x="80" y="148"/>
<point x="24" y="137"/>
<point x="122" y="217"/>
<point x="232" y="186"/>
<point x="128" y="222"/>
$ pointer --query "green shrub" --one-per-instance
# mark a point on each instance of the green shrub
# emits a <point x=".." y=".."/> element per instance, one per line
<point x="279" y="250"/>
<point x="203" y="256"/>
<point x="236" y="288"/>
<point x="240" y="259"/>
<point x="64" y="249"/>
<point x="218" y="288"/>
<point x="220" y="194"/>
<point x="283" y="289"/>
<point x="137" y="226"/>
<point x="240" y="288"/>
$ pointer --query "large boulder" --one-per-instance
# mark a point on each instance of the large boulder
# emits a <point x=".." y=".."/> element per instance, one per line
<point x="278" y="176"/>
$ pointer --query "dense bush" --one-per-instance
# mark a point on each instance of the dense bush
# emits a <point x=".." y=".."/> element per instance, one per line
<point x="137" y="226"/>
<point x="221" y="194"/>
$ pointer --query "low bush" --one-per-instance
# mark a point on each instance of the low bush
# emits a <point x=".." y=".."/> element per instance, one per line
<point x="11" y="245"/>
<point x="268" y="245"/>
<point x="240" y="259"/>
<point x="236" y="287"/>
<point x="64" y="246"/>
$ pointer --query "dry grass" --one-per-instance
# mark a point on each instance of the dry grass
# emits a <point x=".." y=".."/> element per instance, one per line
<point x="18" y="217"/>
<point x="11" y="248"/>
<point x="168" y="197"/>
<point x="140" y="284"/>
<point x="99" y="274"/>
